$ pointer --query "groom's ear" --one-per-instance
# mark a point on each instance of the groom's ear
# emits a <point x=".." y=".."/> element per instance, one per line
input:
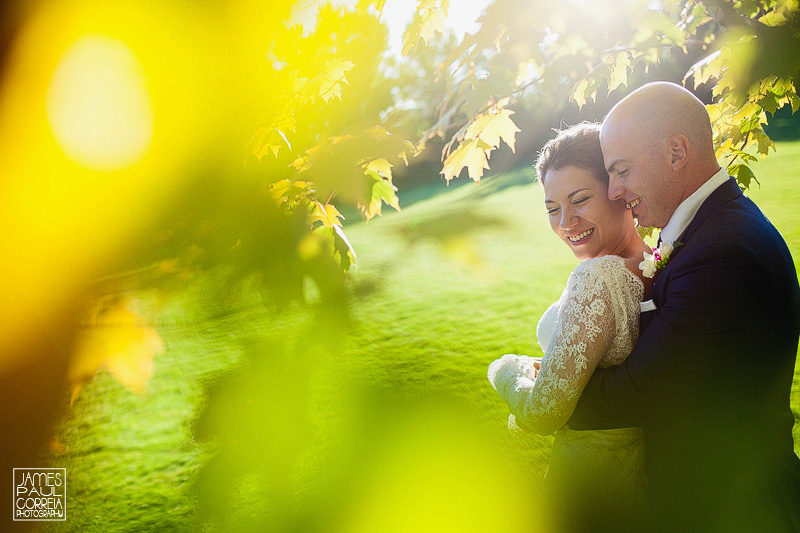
<point x="678" y="151"/>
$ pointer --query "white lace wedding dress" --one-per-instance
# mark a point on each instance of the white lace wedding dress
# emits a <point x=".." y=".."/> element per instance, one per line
<point x="594" y="323"/>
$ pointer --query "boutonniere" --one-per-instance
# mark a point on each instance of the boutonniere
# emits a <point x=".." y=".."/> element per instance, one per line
<point x="656" y="261"/>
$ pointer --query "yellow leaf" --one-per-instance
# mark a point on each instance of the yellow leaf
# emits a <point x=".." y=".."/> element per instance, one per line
<point x="428" y="19"/>
<point x="492" y="126"/>
<point x="579" y="93"/>
<point x="381" y="166"/>
<point x="709" y="67"/>
<point x="330" y="86"/>
<point x="618" y="74"/>
<point x="774" y="18"/>
<point x="280" y="191"/>
<point x="327" y="214"/>
<point x="115" y="338"/>
<point x="470" y="154"/>
<point x="269" y="140"/>
<point x="300" y="163"/>
<point x="434" y="16"/>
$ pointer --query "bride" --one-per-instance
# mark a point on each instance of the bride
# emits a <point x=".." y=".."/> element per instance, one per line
<point x="595" y="480"/>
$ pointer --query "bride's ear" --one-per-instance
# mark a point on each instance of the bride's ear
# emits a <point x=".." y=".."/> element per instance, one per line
<point x="678" y="146"/>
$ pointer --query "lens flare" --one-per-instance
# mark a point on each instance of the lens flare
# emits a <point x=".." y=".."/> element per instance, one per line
<point x="98" y="105"/>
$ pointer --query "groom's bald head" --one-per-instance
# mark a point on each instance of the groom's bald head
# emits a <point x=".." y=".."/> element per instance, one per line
<point x="657" y="111"/>
<point x="658" y="149"/>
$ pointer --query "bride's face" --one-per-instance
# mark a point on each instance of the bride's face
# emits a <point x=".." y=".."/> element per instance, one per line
<point x="582" y="215"/>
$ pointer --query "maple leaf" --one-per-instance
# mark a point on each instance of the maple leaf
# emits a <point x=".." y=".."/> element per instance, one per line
<point x="471" y="154"/>
<point x="114" y="337"/>
<point x="380" y="166"/>
<point x="334" y="76"/>
<point x="586" y="89"/>
<point x="300" y="164"/>
<point x="343" y="251"/>
<point x="618" y="73"/>
<point x="381" y="190"/>
<point x="492" y="126"/>
<point x="429" y="18"/>
<point x="269" y="140"/>
<point x="579" y="93"/>
<point x="327" y="214"/>
<point x="280" y="191"/>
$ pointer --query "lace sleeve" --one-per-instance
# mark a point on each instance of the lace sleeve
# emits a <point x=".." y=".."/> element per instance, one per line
<point x="584" y="330"/>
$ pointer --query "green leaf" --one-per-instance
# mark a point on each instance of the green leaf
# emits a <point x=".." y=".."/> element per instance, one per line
<point x="346" y="252"/>
<point x="645" y="231"/>
<point x="774" y="18"/>
<point x="764" y="142"/>
<point x="743" y="174"/>
<point x="769" y="103"/>
<point x="795" y="101"/>
<point x="380" y="191"/>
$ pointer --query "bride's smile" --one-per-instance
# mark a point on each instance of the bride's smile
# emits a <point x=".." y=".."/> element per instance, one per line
<point x="580" y="238"/>
<point x="581" y="214"/>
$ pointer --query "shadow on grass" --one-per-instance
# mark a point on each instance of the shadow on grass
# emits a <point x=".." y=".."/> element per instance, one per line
<point x="446" y="227"/>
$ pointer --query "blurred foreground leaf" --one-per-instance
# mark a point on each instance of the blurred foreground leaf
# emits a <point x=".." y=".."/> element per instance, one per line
<point x="114" y="337"/>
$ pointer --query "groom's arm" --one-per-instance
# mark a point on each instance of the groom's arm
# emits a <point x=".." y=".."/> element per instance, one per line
<point x="689" y="344"/>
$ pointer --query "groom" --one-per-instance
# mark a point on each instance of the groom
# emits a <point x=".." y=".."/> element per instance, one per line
<point x="710" y="378"/>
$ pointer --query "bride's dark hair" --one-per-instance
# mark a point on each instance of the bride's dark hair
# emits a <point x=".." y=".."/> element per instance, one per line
<point x="578" y="146"/>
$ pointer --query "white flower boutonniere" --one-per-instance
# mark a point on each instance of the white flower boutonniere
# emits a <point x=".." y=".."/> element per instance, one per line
<point x="656" y="261"/>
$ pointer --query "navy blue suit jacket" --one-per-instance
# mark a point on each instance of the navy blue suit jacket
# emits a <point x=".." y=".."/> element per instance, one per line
<point x="710" y="377"/>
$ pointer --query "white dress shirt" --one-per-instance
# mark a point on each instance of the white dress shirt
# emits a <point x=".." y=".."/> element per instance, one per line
<point x="688" y="208"/>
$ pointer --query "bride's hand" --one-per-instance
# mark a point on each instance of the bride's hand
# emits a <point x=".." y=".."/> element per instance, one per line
<point x="510" y="366"/>
<point x="504" y="368"/>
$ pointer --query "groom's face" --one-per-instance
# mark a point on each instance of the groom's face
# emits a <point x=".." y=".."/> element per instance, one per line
<point x="639" y="174"/>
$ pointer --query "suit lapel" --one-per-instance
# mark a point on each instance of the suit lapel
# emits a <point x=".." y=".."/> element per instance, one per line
<point x="723" y="194"/>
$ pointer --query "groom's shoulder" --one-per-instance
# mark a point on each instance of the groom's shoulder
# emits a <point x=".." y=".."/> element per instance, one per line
<point x="742" y="221"/>
<point x="739" y="233"/>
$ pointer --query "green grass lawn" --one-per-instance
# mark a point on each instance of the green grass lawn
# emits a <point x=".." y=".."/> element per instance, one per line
<point x="443" y="288"/>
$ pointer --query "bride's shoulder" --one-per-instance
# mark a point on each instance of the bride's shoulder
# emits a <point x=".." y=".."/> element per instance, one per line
<point x="605" y="264"/>
<point x="606" y="269"/>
